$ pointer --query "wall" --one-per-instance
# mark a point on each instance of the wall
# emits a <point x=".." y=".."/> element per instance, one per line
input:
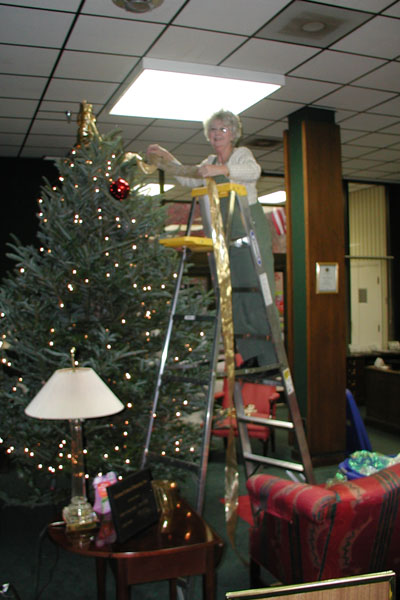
<point x="21" y="182"/>
<point x="368" y="268"/>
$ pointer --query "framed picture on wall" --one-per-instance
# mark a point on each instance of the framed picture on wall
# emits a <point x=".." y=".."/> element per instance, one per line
<point x="327" y="277"/>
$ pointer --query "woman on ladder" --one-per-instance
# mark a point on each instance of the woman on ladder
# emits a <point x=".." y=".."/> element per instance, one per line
<point x="236" y="164"/>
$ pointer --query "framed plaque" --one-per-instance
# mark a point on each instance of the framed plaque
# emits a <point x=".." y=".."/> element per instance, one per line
<point x="133" y="504"/>
<point x="327" y="278"/>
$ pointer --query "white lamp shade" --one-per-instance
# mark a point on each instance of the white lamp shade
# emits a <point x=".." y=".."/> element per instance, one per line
<point x="74" y="394"/>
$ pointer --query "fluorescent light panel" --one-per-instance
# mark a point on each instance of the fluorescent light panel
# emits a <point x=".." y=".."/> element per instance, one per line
<point x="192" y="92"/>
<point x="273" y="198"/>
<point x="153" y="189"/>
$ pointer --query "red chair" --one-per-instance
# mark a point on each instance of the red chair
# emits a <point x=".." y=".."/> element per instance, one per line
<point x="259" y="400"/>
<point x="305" y="532"/>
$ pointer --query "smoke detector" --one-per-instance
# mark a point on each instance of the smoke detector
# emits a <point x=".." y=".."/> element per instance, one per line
<point x="138" y="6"/>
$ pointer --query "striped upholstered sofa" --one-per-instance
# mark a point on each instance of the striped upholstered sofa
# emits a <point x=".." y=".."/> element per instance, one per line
<point x="308" y="533"/>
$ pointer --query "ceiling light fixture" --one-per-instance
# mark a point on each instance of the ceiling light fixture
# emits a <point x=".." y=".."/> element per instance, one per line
<point x="191" y="92"/>
<point x="138" y="6"/>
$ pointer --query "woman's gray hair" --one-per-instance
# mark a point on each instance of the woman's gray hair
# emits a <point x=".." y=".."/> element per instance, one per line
<point x="229" y="119"/>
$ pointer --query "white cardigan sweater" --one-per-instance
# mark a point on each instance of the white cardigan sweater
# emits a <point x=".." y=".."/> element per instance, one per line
<point x="243" y="169"/>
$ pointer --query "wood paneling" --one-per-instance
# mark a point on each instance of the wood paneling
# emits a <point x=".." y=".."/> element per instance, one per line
<point x="326" y="313"/>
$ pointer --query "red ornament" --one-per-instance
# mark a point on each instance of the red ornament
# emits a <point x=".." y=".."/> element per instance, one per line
<point x="119" y="189"/>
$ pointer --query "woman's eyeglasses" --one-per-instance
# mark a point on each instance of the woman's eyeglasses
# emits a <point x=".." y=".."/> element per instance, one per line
<point x="221" y="129"/>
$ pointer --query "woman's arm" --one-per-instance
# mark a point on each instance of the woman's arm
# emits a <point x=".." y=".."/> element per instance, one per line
<point x="156" y="150"/>
<point x="243" y="167"/>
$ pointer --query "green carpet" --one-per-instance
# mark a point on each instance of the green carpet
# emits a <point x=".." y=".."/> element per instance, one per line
<point x="33" y="565"/>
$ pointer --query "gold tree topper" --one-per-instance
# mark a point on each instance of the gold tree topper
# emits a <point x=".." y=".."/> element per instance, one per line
<point x="87" y="123"/>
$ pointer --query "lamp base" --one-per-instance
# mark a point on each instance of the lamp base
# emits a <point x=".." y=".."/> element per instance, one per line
<point x="79" y="515"/>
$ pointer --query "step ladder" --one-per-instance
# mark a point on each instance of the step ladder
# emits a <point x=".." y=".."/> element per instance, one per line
<point x="188" y="374"/>
<point x="275" y="373"/>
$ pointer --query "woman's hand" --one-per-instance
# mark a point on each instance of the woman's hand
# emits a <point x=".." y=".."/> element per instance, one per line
<point x="157" y="150"/>
<point x="213" y="170"/>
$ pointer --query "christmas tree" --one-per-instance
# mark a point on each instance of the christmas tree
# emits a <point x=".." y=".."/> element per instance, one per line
<point x="97" y="281"/>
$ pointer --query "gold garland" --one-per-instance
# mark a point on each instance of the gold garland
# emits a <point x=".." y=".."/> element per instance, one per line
<point x="171" y="168"/>
<point x="221" y="255"/>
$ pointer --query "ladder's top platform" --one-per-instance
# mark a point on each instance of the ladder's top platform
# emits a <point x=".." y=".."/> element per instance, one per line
<point x="195" y="243"/>
<point x="223" y="190"/>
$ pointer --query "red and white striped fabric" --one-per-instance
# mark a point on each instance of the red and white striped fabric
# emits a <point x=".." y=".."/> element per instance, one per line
<point x="278" y="217"/>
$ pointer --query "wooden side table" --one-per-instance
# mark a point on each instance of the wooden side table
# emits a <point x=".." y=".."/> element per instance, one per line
<point x="181" y="544"/>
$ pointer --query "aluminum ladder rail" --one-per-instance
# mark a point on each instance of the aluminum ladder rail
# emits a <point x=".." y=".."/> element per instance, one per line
<point x="277" y="373"/>
<point x="199" y="469"/>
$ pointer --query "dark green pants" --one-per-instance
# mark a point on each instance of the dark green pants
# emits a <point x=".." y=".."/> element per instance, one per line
<point x="251" y="326"/>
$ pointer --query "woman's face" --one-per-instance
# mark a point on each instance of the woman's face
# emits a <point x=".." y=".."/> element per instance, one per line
<point x="220" y="136"/>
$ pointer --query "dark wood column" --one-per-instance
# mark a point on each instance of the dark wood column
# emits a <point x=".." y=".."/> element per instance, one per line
<point x="316" y="310"/>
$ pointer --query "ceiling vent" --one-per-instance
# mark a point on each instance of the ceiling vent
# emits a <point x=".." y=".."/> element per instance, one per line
<point x="138" y="6"/>
<point x="264" y="142"/>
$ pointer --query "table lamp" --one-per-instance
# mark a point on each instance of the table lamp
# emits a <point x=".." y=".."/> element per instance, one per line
<point x="75" y="394"/>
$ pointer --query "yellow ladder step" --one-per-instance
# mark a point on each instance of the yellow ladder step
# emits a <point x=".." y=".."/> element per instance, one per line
<point x="194" y="243"/>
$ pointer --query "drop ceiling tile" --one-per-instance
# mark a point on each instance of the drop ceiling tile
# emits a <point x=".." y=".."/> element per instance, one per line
<point x="252" y="125"/>
<point x="181" y="124"/>
<point x="61" y="5"/>
<point x="119" y="121"/>
<point x="209" y="14"/>
<point x="374" y="6"/>
<point x="182" y="43"/>
<point x="14" y="125"/>
<point x="27" y="25"/>
<point x="21" y="86"/>
<point x="165" y="134"/>
<point x="24" y="60"/>
<point x="339" y="67"/>
<point x="11" y="139"/>
<point x="162" y="14"/>
<point x="341" y="115"/>
<point x="391" y="107"/>
<point x="393" y="11"/>
<point x="79" y="90"/>
<point x="17" y="108"/>
<point x="274" y="156"/>
<point x="379" y="37"/>
<point x="350" y="151"/>
<point x="303" y="90"/>
<point x="349" y="97"/>
<point x="270" y="166"/>
<point x="386" y="154"/>
<point x="377" y="140"/>
<point x="368" y="122"/>
<point x="269" y="56"/>
<point x="386" y="77"/>
<point x="371" y="175"/>
<point x="361" y="163"/>
<point x="389" y="167"/>
<point x="274" y="131"/>
<point x="55" y="126"/>
<point x="92" y="66"/>
<point x="347" y="172"/>
<point x="52" y="141"/>
<point x="349" y="135"/>
<point x="272" y="109"/>
<point x="194" y="150"/>
<point x="290" y="24"/>
<point x="393" y="129"/>
<point x="42" y="151"/>
<point x="9" y="151"/>
<point x="128" y="132"/>
<point x="113" y="36"/>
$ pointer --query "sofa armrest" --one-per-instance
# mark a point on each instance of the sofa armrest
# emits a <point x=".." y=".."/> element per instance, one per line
<point x="286" y="499"/>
